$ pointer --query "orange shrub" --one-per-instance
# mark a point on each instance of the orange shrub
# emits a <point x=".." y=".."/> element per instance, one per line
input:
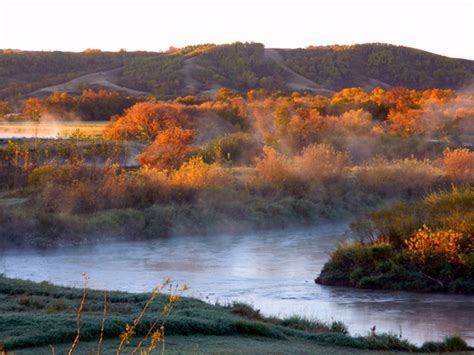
<point x="320" y="162"/>
<point x="146" y="119"/>
<point x="171" y="148"/>
<point x="458" y="165"/>
<point x="274" y="168"/>
<point x="33" y="108"/>
<point x="406" y="123"/>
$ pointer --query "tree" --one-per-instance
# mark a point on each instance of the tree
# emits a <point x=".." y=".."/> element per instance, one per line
<point x="145" y="120"/>
<point x="33" y="108"/>
<point x="102" y="105"/>
<point x="4" y="107"/>
<point x="61" y="103"/>
<point x="171" y="148"/>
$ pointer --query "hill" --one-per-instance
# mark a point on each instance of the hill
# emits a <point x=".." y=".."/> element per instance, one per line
<point x="202" y="69"/>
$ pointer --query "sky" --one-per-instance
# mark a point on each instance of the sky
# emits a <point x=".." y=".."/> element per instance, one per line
<point x="442" y="27"/>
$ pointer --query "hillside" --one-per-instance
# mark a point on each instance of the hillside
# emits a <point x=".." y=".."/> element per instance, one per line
<point x="200" y="70"/>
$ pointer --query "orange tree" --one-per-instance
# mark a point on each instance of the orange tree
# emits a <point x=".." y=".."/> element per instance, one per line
<point x="171" y="148"/>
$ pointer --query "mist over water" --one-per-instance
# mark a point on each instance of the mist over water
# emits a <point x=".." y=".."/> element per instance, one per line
<point x="272" y="271"/>
<point x="47" y="128"/>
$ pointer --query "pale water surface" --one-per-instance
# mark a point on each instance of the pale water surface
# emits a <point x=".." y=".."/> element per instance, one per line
<point x="49" y="129"/>
<point x="273" y="271"/>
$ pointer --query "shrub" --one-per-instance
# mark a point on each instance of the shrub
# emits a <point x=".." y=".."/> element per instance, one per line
<point x="199" y="175"/>
<point x="320" y="162"/>
<point x="144" y="120"/>
<point x="238" y="148"/>
<point x="171" y="148"/>
<point x="408" y="177"/>
<point x="458" y="165"/>
<point x="430" y="247"/>
<point x="452" y="343"/>
<point x="41" y="175"/>
<point x="274" y="169"/>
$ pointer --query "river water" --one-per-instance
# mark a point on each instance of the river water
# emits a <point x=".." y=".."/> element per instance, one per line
<point x="272" y="271"/>
<point x="49" y="129"/>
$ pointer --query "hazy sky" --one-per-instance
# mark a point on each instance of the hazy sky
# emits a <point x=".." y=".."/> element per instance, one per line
<point x="444" y="27"/>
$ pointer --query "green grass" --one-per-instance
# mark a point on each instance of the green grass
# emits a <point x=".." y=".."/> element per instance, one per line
<point x="35" y="315"/>
<point x="178" y="344"/>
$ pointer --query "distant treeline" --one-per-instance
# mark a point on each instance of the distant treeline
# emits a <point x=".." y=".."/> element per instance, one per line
<point x="240" y="66"/>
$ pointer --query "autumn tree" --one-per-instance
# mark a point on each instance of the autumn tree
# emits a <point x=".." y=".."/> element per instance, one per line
<point x="102" y="105"/>
<point x="4" y="107"/>
<point x="33" y="108"/>
<point x="406" y="123"/>
<point x="171" y="148"/>
<point x="145" y="120"/>
<point x="61" y="103"/>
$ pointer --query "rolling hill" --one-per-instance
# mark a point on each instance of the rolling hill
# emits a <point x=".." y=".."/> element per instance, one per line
<point x="202" y="69"/>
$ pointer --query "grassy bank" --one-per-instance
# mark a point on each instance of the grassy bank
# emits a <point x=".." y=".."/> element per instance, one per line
<point x="36" y="315"/>
<point x="427" y="245"/>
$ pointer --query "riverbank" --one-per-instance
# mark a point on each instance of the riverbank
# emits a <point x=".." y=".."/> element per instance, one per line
<point x="36" y="315"/>
<point x="25" y="225"/>
<point x="425" y="246"/>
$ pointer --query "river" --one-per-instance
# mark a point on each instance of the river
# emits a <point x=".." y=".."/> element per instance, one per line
<point x="272" y="271"/>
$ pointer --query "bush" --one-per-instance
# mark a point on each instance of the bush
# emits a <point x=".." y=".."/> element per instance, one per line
<point x="458" y="165"/>
<point x="402" y="253"/>
<point x="171" y="148"/>
<point x="199" y="175"/>
<point x="452" y="343"/>
<point x="238" y="148"/>
<point x="39" y="176"/>
<point x="274" y="169"/>
<point x="320" y="163"/>
<point x="407" y="177"/>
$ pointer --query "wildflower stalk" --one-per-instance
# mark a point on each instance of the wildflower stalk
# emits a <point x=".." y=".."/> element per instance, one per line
<point x="102" y="326"/>
<point x="78" y="314"/>
<point x="130" y="329"/>
<point x="158" y="335"/>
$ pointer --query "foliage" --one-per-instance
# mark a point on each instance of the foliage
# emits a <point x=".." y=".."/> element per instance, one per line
<point x="199" y="175"/>
<point x="90" y="105"/>
<point x="145" y="120"/>
<point x="403" y="253"/>
<point x="238" y="148"/>
<point x="430" y="248"/>
<point x="458" y="164"/>
<point x="240" y="66"/>
<point x="171" y="148"/>
<point x="337" y="67"/>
